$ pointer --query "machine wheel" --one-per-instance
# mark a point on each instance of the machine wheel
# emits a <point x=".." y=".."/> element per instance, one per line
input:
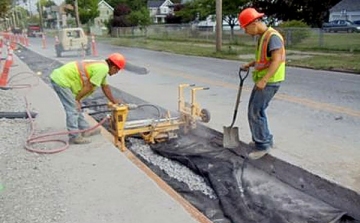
<point x="88" y="52"/>
<point x="58" y="50"/>
<point x="205" y="115"/>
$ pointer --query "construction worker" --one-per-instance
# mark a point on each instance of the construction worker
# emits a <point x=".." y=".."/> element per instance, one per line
<point x="268" y="74"/>
<point x="78" y="79"/>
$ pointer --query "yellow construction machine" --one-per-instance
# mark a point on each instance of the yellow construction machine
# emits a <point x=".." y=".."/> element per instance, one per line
<point x="158" y="129"/>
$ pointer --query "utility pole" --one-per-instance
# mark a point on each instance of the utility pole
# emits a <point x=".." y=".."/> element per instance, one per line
<point x="77" y="13"/>
<point x="218" y="28"/>
<point x="41" y="16"/>
<point x="30" y="10"/>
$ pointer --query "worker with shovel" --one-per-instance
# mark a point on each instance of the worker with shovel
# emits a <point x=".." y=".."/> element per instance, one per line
<point x="78" y="79"/>
<point x="269" y="72"/>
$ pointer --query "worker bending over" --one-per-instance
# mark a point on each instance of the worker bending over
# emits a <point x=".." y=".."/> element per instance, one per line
<point x="76" y="80"/>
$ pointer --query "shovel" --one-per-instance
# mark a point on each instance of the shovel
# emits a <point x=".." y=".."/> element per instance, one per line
<point x="231" y="134"/>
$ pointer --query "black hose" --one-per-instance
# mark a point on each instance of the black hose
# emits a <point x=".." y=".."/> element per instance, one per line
<point x="13" y="115"/>
<point x="100" y="112"/>
<point x="94" y="105"/>
<point x="5" y="88"/>
<point x="151" y="105"/>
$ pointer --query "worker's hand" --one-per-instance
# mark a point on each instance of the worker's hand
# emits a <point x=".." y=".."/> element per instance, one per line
<point x="246" y="67"/>
<point x="261" y="84"/>
<point x="78" y="105"/>
<point x="131" y="106"/>
<point x="117" y="101"/>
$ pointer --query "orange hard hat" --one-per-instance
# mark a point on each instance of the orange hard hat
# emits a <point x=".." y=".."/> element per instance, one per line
<point x="118" y="60"/>
<point x="248" y="16"/>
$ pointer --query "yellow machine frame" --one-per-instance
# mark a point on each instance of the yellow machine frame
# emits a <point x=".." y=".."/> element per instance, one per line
<point x="152" y="130"/>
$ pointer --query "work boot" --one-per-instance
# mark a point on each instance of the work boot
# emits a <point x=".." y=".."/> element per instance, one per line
<point x="253" y="145"/>
<point x="79" y="140"/>
<point x="257" y="154"/>
<point x="91" y="133"/>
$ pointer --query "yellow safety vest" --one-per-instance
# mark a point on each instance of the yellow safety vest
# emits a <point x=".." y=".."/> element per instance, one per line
<point x="83" y="72"/>
<point x="262" y="61"/>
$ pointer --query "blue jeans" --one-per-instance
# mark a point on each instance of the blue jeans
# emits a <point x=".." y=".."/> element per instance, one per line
<point x="259" y="101"/>
<point x="74" y="119"/>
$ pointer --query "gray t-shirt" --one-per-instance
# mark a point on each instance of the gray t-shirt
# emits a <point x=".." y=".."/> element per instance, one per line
<point x="274" y="43"/>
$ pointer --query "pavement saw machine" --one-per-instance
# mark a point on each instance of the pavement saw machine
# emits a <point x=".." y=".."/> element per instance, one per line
<point x="156" y="130"/>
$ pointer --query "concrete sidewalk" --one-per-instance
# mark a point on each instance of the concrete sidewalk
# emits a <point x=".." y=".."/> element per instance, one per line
<point x="84" y="183"/>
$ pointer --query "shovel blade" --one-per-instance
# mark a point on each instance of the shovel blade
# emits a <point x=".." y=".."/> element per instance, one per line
<point x="231" y="137"/>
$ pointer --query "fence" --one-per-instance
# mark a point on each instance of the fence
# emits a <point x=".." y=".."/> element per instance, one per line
<point x="296" y="38"/>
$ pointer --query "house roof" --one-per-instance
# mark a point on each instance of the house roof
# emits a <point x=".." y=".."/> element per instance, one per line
<point x="348" y="5"/>
<point x="154" y="4"/>
<point x="107" y="5"/>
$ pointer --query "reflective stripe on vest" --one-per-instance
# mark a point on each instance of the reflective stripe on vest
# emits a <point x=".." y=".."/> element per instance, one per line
<point x="81" y="67"/>
<point x="262" y="60"/>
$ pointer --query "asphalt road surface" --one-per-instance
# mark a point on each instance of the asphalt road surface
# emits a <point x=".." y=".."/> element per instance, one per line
<point x="315" y="117"/>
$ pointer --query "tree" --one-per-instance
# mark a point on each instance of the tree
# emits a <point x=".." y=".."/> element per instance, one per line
<point x="88" y="10"/>
<point x="140" y="18"/>
<point x="121" y="16"/>
<point x="4" y="7"/>
<point x="231" y="11"/>
<point x="114" y="3"/>
<point x="200" y="9"/>
<point x="134" y="5"/>
<point x="312" y="12"/>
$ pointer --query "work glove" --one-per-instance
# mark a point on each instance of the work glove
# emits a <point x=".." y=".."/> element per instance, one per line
<point x="132" y="106"/>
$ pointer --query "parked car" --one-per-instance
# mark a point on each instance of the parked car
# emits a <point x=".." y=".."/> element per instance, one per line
<point x="16" y="30"/>
<point x="357" y="22"/>
<point x="33" y="30"/>
<point x="341" y="26"/>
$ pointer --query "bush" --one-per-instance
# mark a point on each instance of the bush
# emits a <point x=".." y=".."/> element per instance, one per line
<point x="294" y="31"/>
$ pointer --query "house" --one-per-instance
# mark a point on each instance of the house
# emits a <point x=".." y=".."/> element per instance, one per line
<point x="159" y="10"/>
<point x="105" y="14"/>
<point x="345" y="9"/>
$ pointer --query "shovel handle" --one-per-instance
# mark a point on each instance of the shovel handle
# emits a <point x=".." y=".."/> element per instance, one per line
<point x="242" y="79"/>
<point x="243" y="76"/>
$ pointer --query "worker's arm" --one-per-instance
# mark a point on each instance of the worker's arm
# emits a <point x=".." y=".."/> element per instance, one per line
<point x="107" y="92"/>
<point x="276" y="60"/>
<point x="87" y="88"/>
<point x="248" y="65"/>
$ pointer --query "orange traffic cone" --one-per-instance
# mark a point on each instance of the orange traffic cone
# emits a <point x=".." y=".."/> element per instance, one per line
<point x="26" y="40"/>
<point x="43" y="41"/>
<point x="1" y="46"/>
<point x="94" y="51"/>
<point x="5" y="74"/>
